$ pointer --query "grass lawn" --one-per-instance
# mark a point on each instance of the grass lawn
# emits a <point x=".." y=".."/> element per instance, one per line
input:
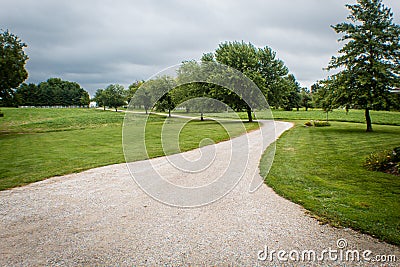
<point x="41" y="143"/>
<point x="378" y="117"/>
<point x="322" y="170"/>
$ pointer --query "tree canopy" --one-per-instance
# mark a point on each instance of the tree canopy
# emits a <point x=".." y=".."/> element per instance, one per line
<point x="53" y="92"/>
<point x="370" y="58"/>
<point x="12" y="66"/>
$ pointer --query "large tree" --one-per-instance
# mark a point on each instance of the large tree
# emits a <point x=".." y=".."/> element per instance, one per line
<point x="114" y="96"/>
<point x="12" y="65"/>
<point x="258" y="64"/>
<point x="370" y="58"/>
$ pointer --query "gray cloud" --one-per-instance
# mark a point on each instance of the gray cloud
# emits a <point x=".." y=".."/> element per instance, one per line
<point x="96" y="43"/>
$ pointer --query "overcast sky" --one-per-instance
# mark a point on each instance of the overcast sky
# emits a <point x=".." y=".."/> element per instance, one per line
<point x="98" y="42"/>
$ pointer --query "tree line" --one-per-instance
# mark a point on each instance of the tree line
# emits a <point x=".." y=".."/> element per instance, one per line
<point x="53" y="92"/>
<point x="261" y="65"/>
<point x="368" y="63"/>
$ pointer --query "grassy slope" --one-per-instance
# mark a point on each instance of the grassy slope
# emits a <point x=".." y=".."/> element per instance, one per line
<point x="41" y="143"/>
<point x="321" y="169"/>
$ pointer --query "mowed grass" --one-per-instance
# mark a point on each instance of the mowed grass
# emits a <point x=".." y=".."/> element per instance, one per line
<point x="322" y="170"/>
<point x="357" y="116"/>
<point x="354" y="115"/>
<point x="41" y="143"/>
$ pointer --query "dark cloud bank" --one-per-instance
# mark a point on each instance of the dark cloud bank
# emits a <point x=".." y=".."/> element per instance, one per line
<point x="96" y="43"/>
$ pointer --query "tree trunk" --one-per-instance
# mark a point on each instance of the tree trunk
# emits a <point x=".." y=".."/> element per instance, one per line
<point x="368" y="120"/>
<point x="169" y="113"/>
<point x="104" y="107"/>
<point x="201" y="116"/>
<point x="249" y="115"/>
<point x="116" y="109"/>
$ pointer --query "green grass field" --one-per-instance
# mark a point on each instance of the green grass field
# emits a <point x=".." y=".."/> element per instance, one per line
<point x="41" y="143"/>
<point x="378" y="117"/>
<point x="319" y="168"/>
<point x="322" y="170"/>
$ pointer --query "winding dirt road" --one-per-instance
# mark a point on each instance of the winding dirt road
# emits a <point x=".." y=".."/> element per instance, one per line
<point x="102" y="217"/>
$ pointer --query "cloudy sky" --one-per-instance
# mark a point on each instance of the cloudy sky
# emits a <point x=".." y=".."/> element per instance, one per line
<point x="99" y="42"/>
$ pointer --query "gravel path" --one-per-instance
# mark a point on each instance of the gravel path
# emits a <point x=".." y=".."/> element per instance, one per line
<point x="102" y="217"/>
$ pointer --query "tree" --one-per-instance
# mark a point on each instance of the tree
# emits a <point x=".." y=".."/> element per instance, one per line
<point x="132" y="89"/>
<point x="27" y="95"/>
<point x="323" y="96"/>
<point x="306" y="98"/>
<point x="370" y="58"/>
<point x="258" y="64"/>
<point x="12" y="65"/>
<point x="100" y="98"/>
<point x="114" y="96"/>
<point x="291" y="97"/>
<point x="53" y="92"/>
<point x="142" y="98"/>
<point x="188" y="90"/>
<point x="160" y="93"/>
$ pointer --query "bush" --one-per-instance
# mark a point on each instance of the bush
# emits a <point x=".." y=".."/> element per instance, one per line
<point x="384" y="161"/>
<point x="321" y="123"/>
<point x="308" y="124"/>
<point x="317" y="123"/>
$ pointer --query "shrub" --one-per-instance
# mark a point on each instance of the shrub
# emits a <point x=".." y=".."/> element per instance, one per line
<point x="308" y="124"/>
<point x="385" y="161"/>
<point x="317" y="123"/>
<point x="321" y="123"/>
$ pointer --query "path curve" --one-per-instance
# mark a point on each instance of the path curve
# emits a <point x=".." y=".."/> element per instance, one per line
<point x="101" y="217"/>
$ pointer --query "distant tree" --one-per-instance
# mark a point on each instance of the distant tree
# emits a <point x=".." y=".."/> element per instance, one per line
<point x="100" y="98"/>
<point x="291" y="97"/>
<point x="160" y="89"/>
<point x="84" y="99"/>
<point x="27" y="95"/>
<point x="142" y="98"/>
<point x="370" y="58"/>
<point x="324" y="97"/>
<point x="306" y="98"/>
<point x="114" y="96"/>
<point x="53" y="92"/>
<point x="12" y="66"/>
<point x="132" y="89"/>
<point x="187" y="73"/>
<point x="258" y="64"/>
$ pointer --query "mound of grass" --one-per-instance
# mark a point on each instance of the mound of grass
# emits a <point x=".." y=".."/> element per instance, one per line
<point x="41" y="143"/>
<point x="322" y="170"/>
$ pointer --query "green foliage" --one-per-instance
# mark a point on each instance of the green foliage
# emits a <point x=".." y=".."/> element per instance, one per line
<point x="262" y="67"/>
<point x="370" y="58"/>
<point x="306" y="98"/>
<point x="53" y="92"/>
<point x="114" y="96"/>
<point x="161" y="91"/>
<point x="384" y="161"/>
<point x="132" y="89"/>
<point x="12" y="66"/>
<point x="322" y="170"/>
